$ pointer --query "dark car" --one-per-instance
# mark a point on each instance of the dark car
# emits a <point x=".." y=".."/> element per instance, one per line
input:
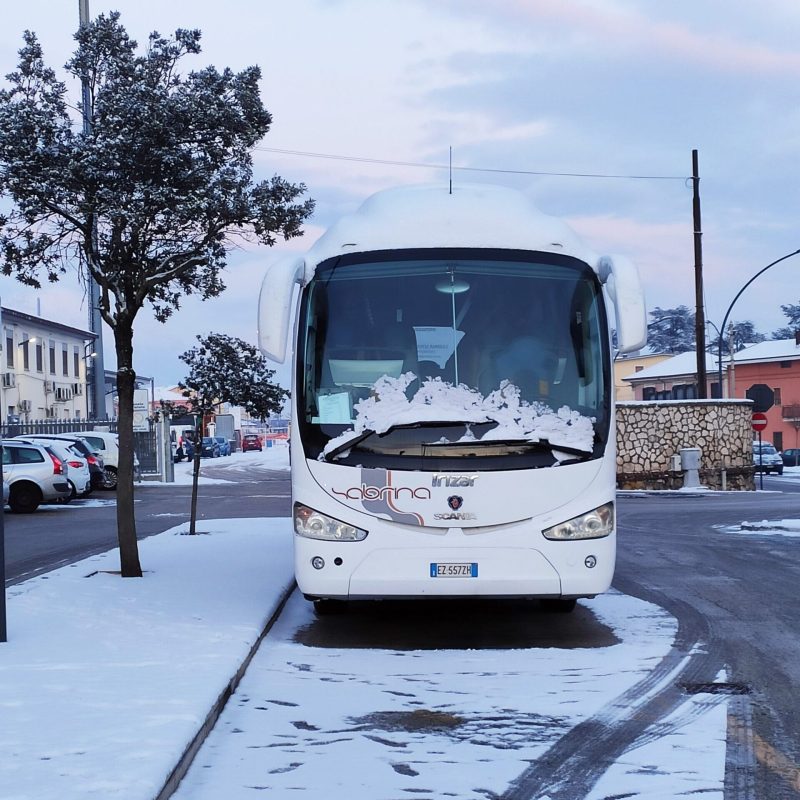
<point x="251" y="441"/>
<point x="209" y="447"/>
<point x="224" y="445"/>
<point x="791" y="457"/>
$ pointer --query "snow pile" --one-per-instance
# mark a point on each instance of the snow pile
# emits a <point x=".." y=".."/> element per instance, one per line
<point x="440" y="401"/>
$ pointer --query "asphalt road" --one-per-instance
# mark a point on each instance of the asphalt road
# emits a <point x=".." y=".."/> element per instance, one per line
<point x="735" y="595"/>
<point x="58" y="535"/>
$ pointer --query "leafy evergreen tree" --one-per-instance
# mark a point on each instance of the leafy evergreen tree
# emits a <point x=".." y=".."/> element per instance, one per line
<point x="147" y="200"/>
<point x="671" y="330"/>
<point x="224" y="369"/>
<point x="793" y="313"/>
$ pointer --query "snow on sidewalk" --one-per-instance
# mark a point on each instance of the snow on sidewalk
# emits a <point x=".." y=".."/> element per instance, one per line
<point x="104" y="680"/>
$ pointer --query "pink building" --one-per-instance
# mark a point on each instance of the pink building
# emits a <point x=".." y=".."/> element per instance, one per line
<point x="775" y="364"/>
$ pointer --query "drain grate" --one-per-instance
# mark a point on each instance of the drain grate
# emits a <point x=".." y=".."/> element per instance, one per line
<point x="715" y="688"/>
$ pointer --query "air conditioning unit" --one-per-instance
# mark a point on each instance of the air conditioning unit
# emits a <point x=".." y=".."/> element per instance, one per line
<point x="24" y="405"/>
<point x="48" y="387"/>
<point x="9" y="379"/>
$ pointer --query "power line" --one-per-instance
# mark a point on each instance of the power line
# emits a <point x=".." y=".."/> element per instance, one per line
<point x="420" y="165"/>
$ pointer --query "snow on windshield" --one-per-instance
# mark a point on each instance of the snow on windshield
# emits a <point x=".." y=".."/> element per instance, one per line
<point x="440" y="401"/>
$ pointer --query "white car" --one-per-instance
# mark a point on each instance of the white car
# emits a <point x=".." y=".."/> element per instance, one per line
<point x="35" y="475"/>
<point x="79" y="477"/>
<point x="107" y="444"/>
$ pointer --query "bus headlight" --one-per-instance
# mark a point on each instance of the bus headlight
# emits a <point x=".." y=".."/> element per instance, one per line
<point x="313" y="525"/>
<point x="592" y="525"/>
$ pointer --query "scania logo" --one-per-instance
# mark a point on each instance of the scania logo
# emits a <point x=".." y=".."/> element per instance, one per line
<point x="455" y="502"/>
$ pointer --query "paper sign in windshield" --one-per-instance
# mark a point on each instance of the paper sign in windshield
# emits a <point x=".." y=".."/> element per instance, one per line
<point x="437" y="344"/>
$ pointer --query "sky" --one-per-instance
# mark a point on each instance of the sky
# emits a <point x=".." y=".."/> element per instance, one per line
<point x="105" y="706"/>
<point x="523" y="91"/>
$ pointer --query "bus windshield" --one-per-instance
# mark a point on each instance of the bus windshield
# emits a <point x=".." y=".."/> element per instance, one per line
<point x="452" y="321"/>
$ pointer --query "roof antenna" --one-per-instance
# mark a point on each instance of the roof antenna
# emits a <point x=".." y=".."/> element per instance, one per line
<point x="451" y="169"/>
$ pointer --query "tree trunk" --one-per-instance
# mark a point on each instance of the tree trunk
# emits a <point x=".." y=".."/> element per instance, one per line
<point x="126" y="521"/>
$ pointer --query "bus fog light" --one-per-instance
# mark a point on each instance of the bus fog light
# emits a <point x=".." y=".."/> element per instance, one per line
<point x="318" y="562"/>
<point x="590" y="562"/>
<point x="314" y="525"/>
<point x="595" y="524"/>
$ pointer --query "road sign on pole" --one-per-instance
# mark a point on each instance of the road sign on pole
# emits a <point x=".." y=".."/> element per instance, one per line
<point x="762" y="396"/>
<point x="759" y="421"/>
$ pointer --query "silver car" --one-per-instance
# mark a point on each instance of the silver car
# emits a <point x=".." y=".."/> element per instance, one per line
<point x="79" y="477"/>
<point x="766" y="458"/>
<point x="35" y="475"/>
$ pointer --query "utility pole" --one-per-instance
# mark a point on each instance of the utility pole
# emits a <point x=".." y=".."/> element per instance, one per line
<point x="699" y="315"/>
<point x="97" y="388"/>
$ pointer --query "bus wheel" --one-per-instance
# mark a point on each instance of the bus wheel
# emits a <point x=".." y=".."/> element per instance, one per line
<point x="560" y="605"/>
<point x="326" y="607"/>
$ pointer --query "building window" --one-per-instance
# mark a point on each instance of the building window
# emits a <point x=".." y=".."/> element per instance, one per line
<point x="648" y="393"/>
<point x="52" y="346"/>
<point x="64" y="359"/>
<point x="777" y="440"/>
<point x="26" y="354"/>
<point x="777" y="392"/>
<point x="638" y="368"/>
<point x="786" y="364"/>
<point x="76" y="361"/>
<point x="39" y="357"/>
<point x="10" y="348"/>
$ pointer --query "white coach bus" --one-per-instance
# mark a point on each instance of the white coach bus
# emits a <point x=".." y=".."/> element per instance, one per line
<point x="452" y="399"/>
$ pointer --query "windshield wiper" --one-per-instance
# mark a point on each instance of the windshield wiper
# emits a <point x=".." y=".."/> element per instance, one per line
<point x="359" y="437"/>
<point x="540" y="444"/>
<point x="534" y="444"/>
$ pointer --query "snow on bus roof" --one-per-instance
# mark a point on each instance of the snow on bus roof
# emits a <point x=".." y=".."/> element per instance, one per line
<point x="429" y="215"/>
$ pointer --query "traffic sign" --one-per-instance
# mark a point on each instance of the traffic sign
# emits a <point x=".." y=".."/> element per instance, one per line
<point x="762" y="396"/>
<point x="759" y="421"/>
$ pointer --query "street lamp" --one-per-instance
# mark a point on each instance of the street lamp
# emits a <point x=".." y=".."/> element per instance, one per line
<point x="738" y="295"/>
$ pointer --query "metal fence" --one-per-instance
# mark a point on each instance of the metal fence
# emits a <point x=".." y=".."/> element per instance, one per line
<point x="145" y="442"/>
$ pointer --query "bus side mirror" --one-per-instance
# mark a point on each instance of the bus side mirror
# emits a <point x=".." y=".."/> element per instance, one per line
<point x="275" y="305"/>
<point x="621" y="279"/>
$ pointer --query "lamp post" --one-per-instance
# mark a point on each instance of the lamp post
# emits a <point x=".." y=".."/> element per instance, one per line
<point x="721" y="329"/>
<point x="88" y="364"/>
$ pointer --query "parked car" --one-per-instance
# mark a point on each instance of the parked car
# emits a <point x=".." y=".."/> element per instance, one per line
<point x="251" y="441"/>
<point x="35" y="475"/>
<point x="209" y="448"/>
<point x="224" y="445"/>
<point x="791" y="457"/>
<point x="94" y="459"/>
<point x="766" y="458"/>
<point x="79" y="477"/>
<point x="107" y="444"/>
<point x="182" y="437"/>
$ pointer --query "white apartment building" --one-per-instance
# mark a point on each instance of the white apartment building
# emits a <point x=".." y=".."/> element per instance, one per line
<point x="42" y="368"/>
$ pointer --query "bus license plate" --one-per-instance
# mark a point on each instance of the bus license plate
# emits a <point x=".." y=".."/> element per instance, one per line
<point x="454" y="570"/>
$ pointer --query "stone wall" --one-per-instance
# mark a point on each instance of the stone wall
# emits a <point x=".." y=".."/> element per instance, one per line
<point x="650" y="433"/>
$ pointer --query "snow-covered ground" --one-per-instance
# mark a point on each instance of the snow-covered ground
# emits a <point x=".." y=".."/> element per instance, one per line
<point x="104" y="681"/>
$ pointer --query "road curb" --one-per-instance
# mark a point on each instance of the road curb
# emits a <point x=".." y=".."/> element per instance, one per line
<point x="185" y="761"/>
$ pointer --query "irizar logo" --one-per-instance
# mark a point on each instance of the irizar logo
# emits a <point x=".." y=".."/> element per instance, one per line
<point x="444" y="479"/>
